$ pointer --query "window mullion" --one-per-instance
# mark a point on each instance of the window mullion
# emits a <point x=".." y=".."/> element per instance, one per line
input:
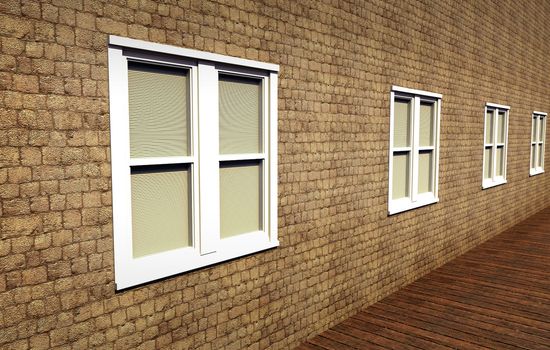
<point x="494" y="145"/>
<point x="415" y="145"/>
<point x="208" y="174"/>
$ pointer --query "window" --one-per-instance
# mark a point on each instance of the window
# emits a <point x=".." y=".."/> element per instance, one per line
<point x="414" y="148"/>
<point x="194" y="151"/>
<point x="496" y="145"/>
<point x="538" y="135"/>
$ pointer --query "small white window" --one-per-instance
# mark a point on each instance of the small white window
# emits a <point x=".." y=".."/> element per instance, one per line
<point x="538" y="136"/>
<point x="495" y="146"/>
<point x="194" y="151"/>
<point x="414" y="148"/>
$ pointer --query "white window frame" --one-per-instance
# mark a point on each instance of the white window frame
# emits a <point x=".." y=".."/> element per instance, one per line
<point x="534" y="170"/>
<point x="415" y="200"/>
<point x="207" y="246"/>
<point x="495" y="180"/>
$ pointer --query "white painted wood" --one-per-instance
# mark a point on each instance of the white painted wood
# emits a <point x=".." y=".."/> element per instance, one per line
<point x="421" y="93"/>
<point x="495" y="105"/>
<point x="209" y="176"/>
<point x="272" y="159"/>
<point x="540" y="113"/>
<point x="189" y="53"/>
<point x="204" y="161"/>
<point x="414" y="200"/>
<point x="160" y="160"/>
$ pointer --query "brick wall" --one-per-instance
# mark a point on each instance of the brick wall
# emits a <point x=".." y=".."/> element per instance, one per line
<point x="339" y="250"/>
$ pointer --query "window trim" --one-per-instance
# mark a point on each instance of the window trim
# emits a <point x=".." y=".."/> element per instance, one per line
<point x="207" y="247"/>
<point x="415" y="200"/>
<point x="495" y="180"/>
<point x="537" y="170"/>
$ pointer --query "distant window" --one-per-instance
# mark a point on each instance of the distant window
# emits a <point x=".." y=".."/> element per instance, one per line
<point x="538" y="136"/>
<point x="496" y="145"/>
<point x="194" y="152"/>
<point x="414" y="148"/>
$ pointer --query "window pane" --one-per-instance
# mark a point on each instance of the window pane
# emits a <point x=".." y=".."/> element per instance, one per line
<point x="426" y="123"/>
<point x="542" y="124"/>
<point x="489" y="126"/>
<point x="240" y="114"/>
<point x="402" y="123"/>
<point x="501" y="125"/>
<point x="400" y="181"/>
<point x="534" y="130"/>
<point x="488" y="166"/>
<point x="425" y="171"/>
<point x="533" y="156"/>
<point x="240" y="197"/>
<point x="541" y="155"/>
<point x="159" y="110"/>
<point x="160" y="209"/>
<point x="500" y="161"/>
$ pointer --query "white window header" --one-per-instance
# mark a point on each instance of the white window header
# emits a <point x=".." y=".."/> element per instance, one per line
<point x="180" y="51"/>
<point x="423" y="93"/>
<point x="539" y="113"/>
<point x="495" y="105"/>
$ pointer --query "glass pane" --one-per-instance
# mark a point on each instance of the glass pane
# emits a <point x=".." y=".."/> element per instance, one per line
<point x="159" y="110"/>
<point x="425" y="170"/>
<point x="500" y="161"/>
<point x="240" y="197"/>
<point x="501" y="121"/>
<point x="240" y="115"/>
<point x="541" y="156"/>
<point x="427" y="123"/>
<point x="489" y="126"/>
<point x="542" y="128"/>
<point x="402" y="123"/>
<point x="160" y="209"/>
<point x="400" y="181"/>
<point x="488" y="163"/>
<point x="533" y="156"/>
<point x="534" y="130"/>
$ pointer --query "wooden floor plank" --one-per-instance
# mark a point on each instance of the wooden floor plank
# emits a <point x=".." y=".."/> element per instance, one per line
<point x="495" y="296"/>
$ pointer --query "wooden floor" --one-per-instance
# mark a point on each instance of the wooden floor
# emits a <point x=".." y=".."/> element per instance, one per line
<point x="497" y="296"/>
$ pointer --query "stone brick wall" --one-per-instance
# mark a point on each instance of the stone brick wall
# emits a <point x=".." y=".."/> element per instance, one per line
<point x="339" y="249"/>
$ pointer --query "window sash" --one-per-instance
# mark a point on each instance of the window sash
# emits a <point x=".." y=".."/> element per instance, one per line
<point x="538" y="135"/>
<point x="205" y="228"/>
<point x="414" y="199"/>
<point x="494" y="179"/>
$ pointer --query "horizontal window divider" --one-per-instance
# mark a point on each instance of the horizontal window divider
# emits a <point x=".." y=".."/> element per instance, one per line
<point x="161" y="161"/>
<point x="401" y="149"/>
<point x="245" y="156"/>
<point x="426" y="148"/>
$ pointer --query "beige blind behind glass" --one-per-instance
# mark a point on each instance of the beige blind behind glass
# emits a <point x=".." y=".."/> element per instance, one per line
<point x="425" y="171"/>
<point x="400" y="181"/>
<point x="501" y="121"/>
<point x="489" y="127"/>
<point x="402" y="123"/>
<point x="240" y="114"/>
<point x="426" y="123"/>
<point x="240" y="199"/>
<point x="160" y="209"/>
<point x="159" y="110"/>
<point x="487" y="167"/>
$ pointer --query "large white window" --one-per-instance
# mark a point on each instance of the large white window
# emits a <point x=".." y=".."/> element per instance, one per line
<point x="194" y="151"/>
<point x="496" y="145"/>
<point x="538" y="136"/>
<point x="414" y="148"/>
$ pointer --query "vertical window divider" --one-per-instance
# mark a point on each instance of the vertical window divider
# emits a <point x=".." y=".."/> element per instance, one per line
<point x="415" y="142"/>
<point x="208" y="159"/>
<point x="494" y="144"/>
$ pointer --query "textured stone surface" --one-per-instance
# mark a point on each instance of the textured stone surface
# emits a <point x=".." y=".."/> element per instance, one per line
<point x="339" y="250"/>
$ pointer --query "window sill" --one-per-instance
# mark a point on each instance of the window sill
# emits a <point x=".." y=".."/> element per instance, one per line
<point x="534" y="172"/>
<point x="488" y="184"/>
<point x="157" y="266"/>
<point x="399" y="206"/>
